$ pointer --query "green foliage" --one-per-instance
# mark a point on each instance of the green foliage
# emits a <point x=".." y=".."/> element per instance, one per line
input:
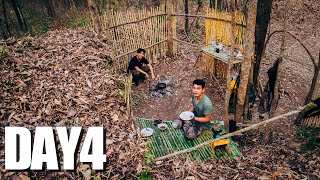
<point x="145" y="176"/>
<point x="149" y="158"/>
<point x="3" y="53"/>
<point x="136" y="98"/>
<point x="83" y="21"/>
<point x="304" y="132"/>
<point x="311" y="138"/>
<point x="312" y="143"/>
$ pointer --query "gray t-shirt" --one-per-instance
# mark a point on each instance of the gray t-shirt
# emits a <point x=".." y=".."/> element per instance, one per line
<point x="203" y="107"/>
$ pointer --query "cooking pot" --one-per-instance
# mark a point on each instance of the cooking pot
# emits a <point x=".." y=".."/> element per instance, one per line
<point x="161" y="86"/>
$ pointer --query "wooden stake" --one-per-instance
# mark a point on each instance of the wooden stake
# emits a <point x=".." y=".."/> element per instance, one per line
<point x="169" y="22"/>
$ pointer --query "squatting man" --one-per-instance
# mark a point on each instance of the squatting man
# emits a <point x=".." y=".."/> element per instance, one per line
<point x="140" y="67"/>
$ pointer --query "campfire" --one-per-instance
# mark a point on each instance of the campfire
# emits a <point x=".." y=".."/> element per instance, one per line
<point x="162" y="89"/>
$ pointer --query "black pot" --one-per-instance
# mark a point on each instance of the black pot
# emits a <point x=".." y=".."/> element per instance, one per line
<point x="161" y="86"/>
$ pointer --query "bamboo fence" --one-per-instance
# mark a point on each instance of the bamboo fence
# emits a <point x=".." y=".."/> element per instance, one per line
<point x="131" y="30"/>
<point x="220" y="28"/>
<point x="314" y="121"/>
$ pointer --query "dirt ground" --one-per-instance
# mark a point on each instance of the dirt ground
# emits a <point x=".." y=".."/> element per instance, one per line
<point x="287" y="156"/>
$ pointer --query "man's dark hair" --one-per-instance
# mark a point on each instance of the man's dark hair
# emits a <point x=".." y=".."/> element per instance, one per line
<point x="140" y="50"/>
<point x="199" y="82"/>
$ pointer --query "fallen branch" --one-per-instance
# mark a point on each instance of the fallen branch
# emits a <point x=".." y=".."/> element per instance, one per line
<point x="231" y="134"/>
<point x="296" y="38"/>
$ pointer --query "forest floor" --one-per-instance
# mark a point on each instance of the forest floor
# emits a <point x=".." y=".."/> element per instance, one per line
<point x="60" y="79"/>
<point x="287" y="156"/>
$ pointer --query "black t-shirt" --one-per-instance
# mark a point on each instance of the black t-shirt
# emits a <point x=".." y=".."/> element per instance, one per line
<point x="134" y="62"/>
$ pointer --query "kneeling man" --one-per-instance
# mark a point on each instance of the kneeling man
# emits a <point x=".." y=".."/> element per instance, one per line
<point x="202" y="109"/>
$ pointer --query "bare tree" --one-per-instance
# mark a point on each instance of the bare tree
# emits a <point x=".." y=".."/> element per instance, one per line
<point x="51" y="10"/>
<point x="186" y="19"/>
<point x="4" y="11"/>
<point x="21" y="20"/>
<point x="263" y="19"/>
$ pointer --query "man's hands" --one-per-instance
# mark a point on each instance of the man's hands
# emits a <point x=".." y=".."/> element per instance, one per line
<point x="148" y="76"/>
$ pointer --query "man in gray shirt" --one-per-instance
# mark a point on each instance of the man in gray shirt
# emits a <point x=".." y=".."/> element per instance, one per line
<point x="202" y="109"/>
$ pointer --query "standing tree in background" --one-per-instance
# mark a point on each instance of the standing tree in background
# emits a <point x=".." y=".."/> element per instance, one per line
<point x="51" y="10"/>
<point x="186" y="20"/>
<point x="21" y="20"/>
<point x="263" y="19"/>
<point x="4" y="11"/>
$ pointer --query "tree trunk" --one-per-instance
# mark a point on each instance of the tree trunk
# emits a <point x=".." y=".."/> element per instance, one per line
<point x="275" y="99"/>
<point x="315" y="80"/>
<point x="146" y="4"/>
<point x="233" y="38"/>
<point x="186" y="19"/>
<point x="96" y="15"/>
<point x="263" y="19"/>
<point x="19" y="15"/>
<point x="211" y="4"/>
<point x="51" y="10"/>
<point x="4" y="11"/>
<point x="248" y="57"/>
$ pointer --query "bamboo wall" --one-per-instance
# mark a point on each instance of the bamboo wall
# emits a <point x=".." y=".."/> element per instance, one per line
<point x="216" y="29"/>
<point x="314" y="121"/>
<point x="150" y="34"/>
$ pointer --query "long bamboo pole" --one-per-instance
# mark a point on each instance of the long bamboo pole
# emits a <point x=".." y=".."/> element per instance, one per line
<point x="232" y="134"/>
<point x="135" y="50"/>
<point x="208" y="17"/>
<point x="132" y="22"/>
<point x="185" y="42"/>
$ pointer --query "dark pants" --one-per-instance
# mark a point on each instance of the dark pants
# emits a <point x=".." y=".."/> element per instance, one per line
<point x="136" y="76"/>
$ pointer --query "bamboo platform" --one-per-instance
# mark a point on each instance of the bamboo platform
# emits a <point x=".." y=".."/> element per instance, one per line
<point x="162" y="143"/>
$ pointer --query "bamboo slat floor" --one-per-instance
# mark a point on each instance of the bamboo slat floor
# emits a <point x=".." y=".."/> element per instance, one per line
<point x="171" y="140"/>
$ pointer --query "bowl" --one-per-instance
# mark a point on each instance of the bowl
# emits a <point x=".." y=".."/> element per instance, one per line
<point x="186" y="116"/>
<point x="146" y="132"/>
<point x="162" y="126"/>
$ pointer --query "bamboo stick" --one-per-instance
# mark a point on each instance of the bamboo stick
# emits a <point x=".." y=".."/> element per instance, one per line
<point x="135" y="50"/>
<point x="208" y="17"/>
<point x="137" y="21"/>
<point x="232" y="134"/>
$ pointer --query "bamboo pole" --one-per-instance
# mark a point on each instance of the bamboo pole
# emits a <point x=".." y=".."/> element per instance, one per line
<point x="170" y="33"/>
<point x="208" y="17"/>
<point x="136" y="21"/>
<point x="227" y="96"/>
<point x="191" y="44"/>
<point x="232" y="134"/>
<point x="127" y="53"/>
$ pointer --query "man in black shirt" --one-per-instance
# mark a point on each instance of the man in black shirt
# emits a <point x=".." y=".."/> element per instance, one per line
<point x="140" y="67"/>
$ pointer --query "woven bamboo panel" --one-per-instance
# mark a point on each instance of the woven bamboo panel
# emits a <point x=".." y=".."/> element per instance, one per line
<point x="216" y="29"/>
<point x="314" y="121"/>
<point x="149" y="34"/>
<point x="172" y="140"/>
